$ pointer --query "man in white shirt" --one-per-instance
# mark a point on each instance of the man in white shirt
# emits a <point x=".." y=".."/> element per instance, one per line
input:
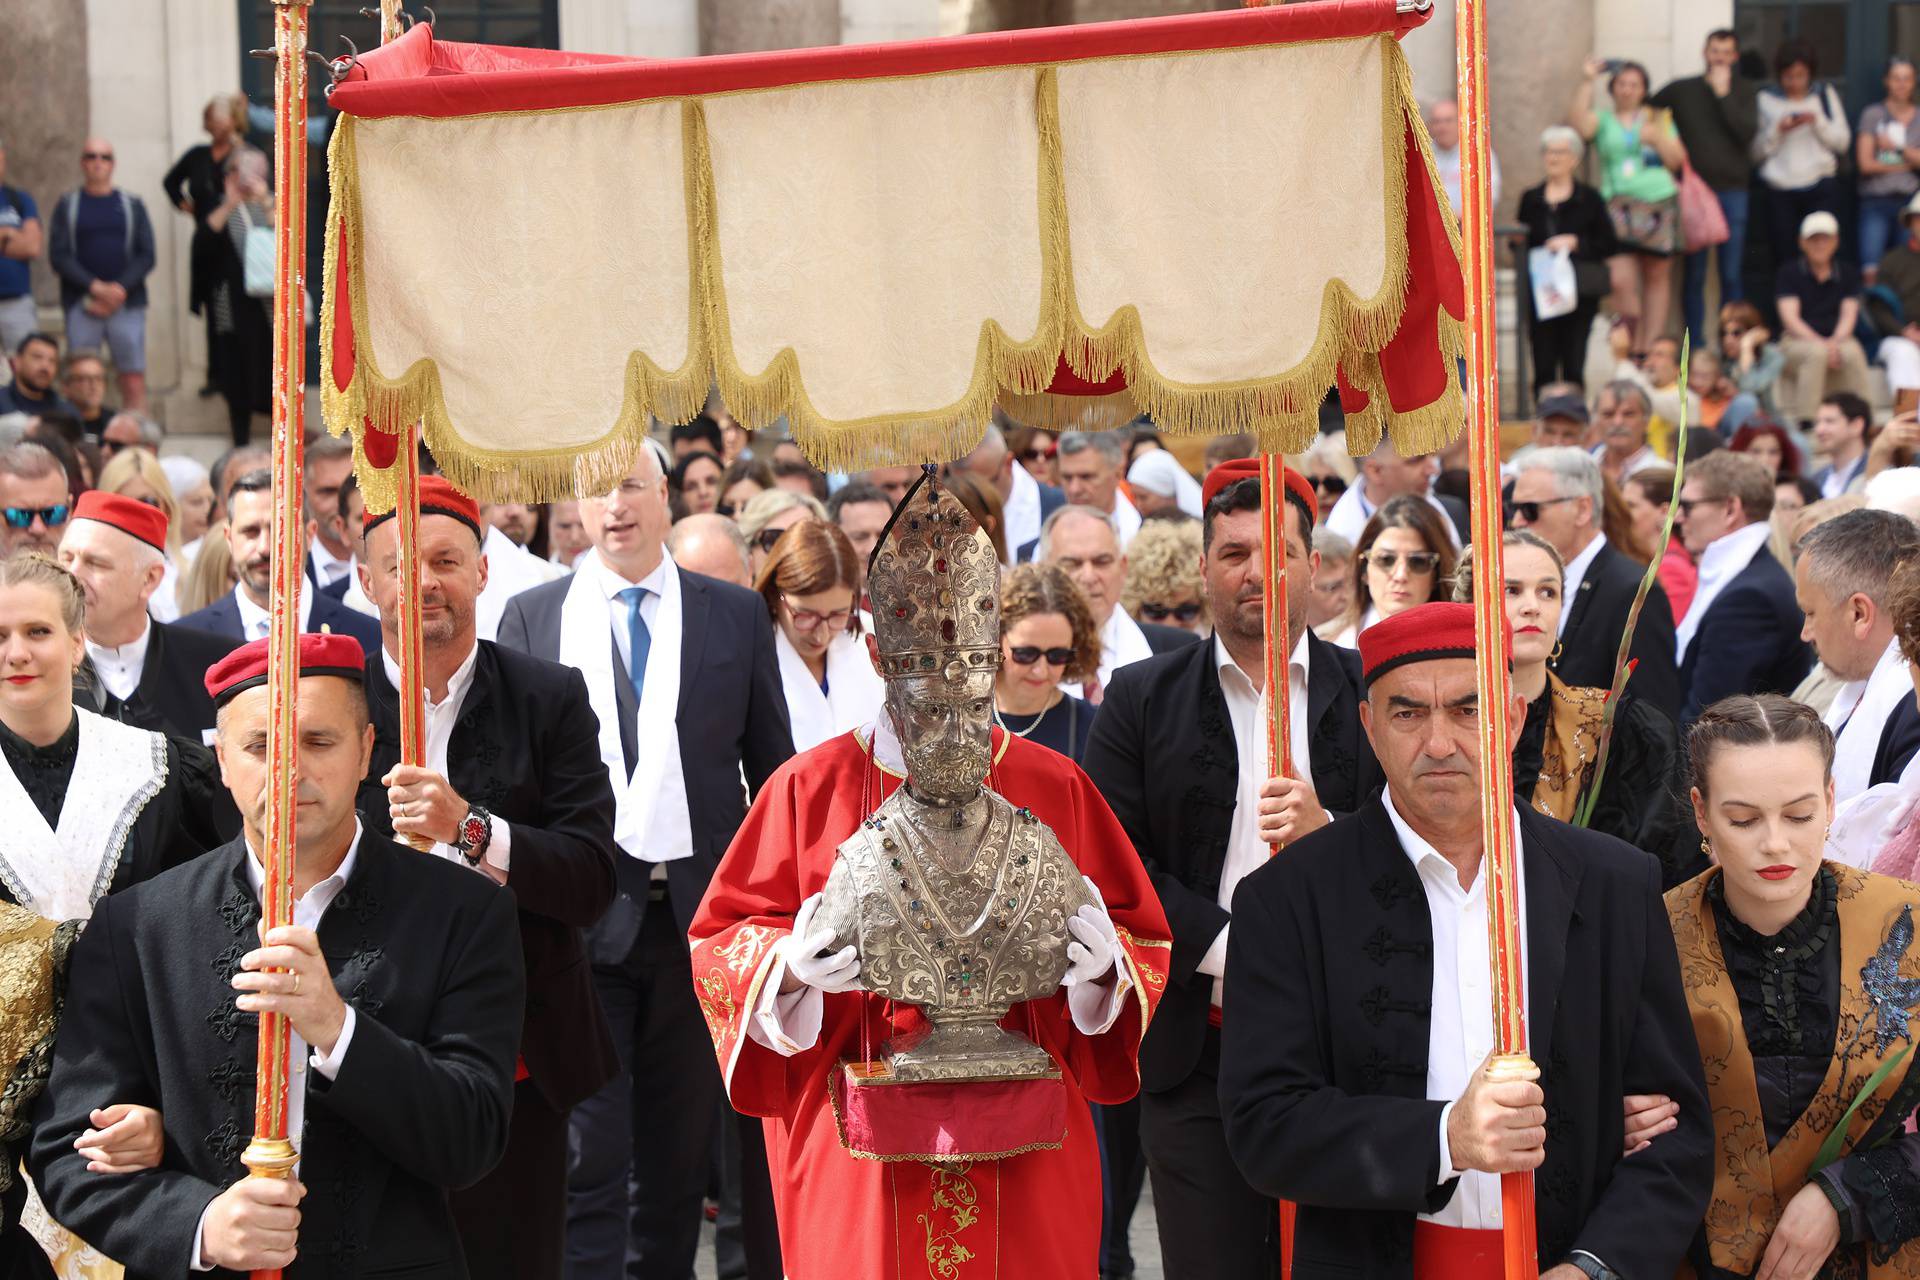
<point x="324" y="469"/>
<point x="1840" y="429"/>
<point x="243" y="613"/>
<point x="144" y="672"/>
<point x="1356" y="1056"/>
<point x="1843" y="583"/>
<point x="1385" y="475"/>
<point x="1025" y="503"/>
<point x="1084" y="542"/>
<point x="1443" y="126"/>
<point x="511" y="789"/>
<point x="685" y="690"/>
<point x="1091" y="465"/>
<point x="1742" y="631"/>
<point x="1179" y="751"/>
<point x="511" y="569"/>
<point x="400" y="979"/>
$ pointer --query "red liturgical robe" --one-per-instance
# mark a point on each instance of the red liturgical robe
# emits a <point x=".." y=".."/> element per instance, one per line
<point x="1032" y="1214"/>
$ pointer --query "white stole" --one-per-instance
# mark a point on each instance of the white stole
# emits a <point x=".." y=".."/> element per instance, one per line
<point x="61" y="873"/>
<point x="854" y="690"/>
<point x="650" y="819"/>
<point x="1859" y="716"/>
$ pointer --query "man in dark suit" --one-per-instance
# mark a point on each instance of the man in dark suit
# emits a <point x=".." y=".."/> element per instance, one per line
<point x="1559" y="495"/>
<point x="242" y="614"/>
<point x="1742" y="631"/>
<point x="1179" y="752"/>
<point x="1359" y="1023"/>
<point x="512" y="787"/>
<point x="400" y="977"/>
<point x="143" y="672"/>
<point x="658" y="645"/>
<point x="1843" y="582"/>
<point x="1025" y="503"/>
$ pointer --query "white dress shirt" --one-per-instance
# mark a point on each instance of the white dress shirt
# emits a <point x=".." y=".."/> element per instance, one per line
<point x="1126" y="518"/>
<point x="119" y="668"/>
<point x="441" y="717"/>
<point x="1461" y="1034"/>
<point x="356" y="597"/>
<point x="1447" y="165"/>
<point x="1022" y="512"/>
<point x="1576" y="574"/>
<point x="511" y="569"/>
<point x="1247" y="710"/>
<point x="611" y="584"/>
<point x="1838" y="480"/>
<point x="1720" y="563"/>
<point x="1121" y="642"/>
<point x="254" y="619"/>
<point x="327" y="567"/>
<point x="308" y="910"/>
<point x="1639" y="460"/>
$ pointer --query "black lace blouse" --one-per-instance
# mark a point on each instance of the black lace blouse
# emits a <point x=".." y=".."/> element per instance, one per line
<point x="44" y="772"/>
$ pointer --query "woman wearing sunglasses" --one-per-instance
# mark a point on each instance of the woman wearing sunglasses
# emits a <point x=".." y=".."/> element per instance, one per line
<point x="1163" y="577"/>
<point x="809" y="582"/>
<point x="1556" y="751"/>
<point x="1404" y="559"/>
<point x="1036" y="449"/>
<point x="768" y="515"/>
<point x="1329" y="469"/>
<point x="1047" y="638"/>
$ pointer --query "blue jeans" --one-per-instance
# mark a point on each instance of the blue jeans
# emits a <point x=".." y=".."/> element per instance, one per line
<point x="1879" y="227"/>
<point x="1693" y="287"/>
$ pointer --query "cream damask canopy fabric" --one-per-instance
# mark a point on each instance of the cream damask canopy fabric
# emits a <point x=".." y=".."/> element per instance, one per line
<point x="535" y="252"/>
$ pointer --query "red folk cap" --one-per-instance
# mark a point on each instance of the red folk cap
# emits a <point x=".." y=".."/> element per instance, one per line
<point x="1424" y="633"/>
<point x="1249" y="469"/>
<point x="134" y="518"/>
<point x="321" y="654"/>
<point x="438" y="497"/>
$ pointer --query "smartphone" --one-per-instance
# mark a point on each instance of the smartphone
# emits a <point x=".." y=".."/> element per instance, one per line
<point x="1612" y="65"/>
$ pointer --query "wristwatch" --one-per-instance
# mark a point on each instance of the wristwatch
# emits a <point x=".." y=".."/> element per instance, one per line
<point x="476" y="833"/>
<point x="1592" y="1266"/>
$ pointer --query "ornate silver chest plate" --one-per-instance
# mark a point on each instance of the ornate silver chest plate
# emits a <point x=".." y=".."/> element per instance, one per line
<point x="963" y="928"/>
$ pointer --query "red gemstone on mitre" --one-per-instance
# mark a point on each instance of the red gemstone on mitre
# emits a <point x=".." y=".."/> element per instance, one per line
<point x="940" y="565"/>
<point x="901" y="612"/>
<point x="946" y="629"/>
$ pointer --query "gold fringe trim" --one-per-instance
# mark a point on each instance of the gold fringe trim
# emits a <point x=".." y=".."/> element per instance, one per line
<point x="1281" y="410"/>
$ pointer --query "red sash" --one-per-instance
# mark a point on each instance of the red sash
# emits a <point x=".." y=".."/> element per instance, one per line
<point x="1455" y="1253"/>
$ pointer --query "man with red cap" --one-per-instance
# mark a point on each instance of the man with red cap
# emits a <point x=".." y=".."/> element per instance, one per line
<point x="1359" y="1016"/>
<point x="1179" y="751"/>
<point x="513" y="789"/>
<point x="400" y="976"/>
<point x="145" y="672"/>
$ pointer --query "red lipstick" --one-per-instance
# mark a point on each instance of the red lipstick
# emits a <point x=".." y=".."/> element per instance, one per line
<point x="1776" y="873"/>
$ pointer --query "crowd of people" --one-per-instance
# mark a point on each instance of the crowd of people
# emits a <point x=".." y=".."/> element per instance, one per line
<point x="1752" y="173"/>
<point x="553" y="1104"/>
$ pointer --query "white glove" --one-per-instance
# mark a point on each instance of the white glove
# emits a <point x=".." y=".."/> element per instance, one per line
<point x="1094" y="945"/>
<point x="801" y="949"/>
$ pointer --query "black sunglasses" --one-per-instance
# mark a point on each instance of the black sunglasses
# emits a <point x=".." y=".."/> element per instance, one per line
<point x="1531" y="510"/>
<point x="1330" y="484"/>
<point x="1686" y="505"/>
<point x="1027" y="654"/>
<point x="96" y="155"/>
<point x="22" y="517"/>
<point x="1419" y="563"/>
<point x="1153" y="612"/>
<point x="768" y="539"/>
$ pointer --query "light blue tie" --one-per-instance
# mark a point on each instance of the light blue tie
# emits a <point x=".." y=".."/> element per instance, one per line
<point x="639" y="639"/>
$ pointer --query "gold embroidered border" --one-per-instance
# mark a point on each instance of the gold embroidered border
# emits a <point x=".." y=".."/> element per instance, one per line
<point x="1280" y="410"/>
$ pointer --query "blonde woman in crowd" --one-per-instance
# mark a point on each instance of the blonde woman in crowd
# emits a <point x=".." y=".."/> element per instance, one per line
<point x="1163" y="576"/>
<point x="211" y="574"/>
<point x="769" y="514"/>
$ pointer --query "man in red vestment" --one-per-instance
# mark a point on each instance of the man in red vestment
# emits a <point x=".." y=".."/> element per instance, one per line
<point x="785" y="1012"/>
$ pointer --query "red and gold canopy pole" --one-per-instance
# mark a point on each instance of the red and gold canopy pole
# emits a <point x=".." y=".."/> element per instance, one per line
<point x="1501" y="858"/>
<point x="271" y="1153"/>
<point x="1279" y="652"/>
<point x="411" y="658"/>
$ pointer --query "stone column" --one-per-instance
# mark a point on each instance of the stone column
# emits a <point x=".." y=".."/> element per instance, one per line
<point x="741" y="26"/>
<point x="43" y="108"/>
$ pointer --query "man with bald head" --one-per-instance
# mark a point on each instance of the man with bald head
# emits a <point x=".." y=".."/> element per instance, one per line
<point x="100" y="243"/>
<point x="710" y="544"/>
<point x="658" y="646"/>
<point x="1024" y="501"/>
